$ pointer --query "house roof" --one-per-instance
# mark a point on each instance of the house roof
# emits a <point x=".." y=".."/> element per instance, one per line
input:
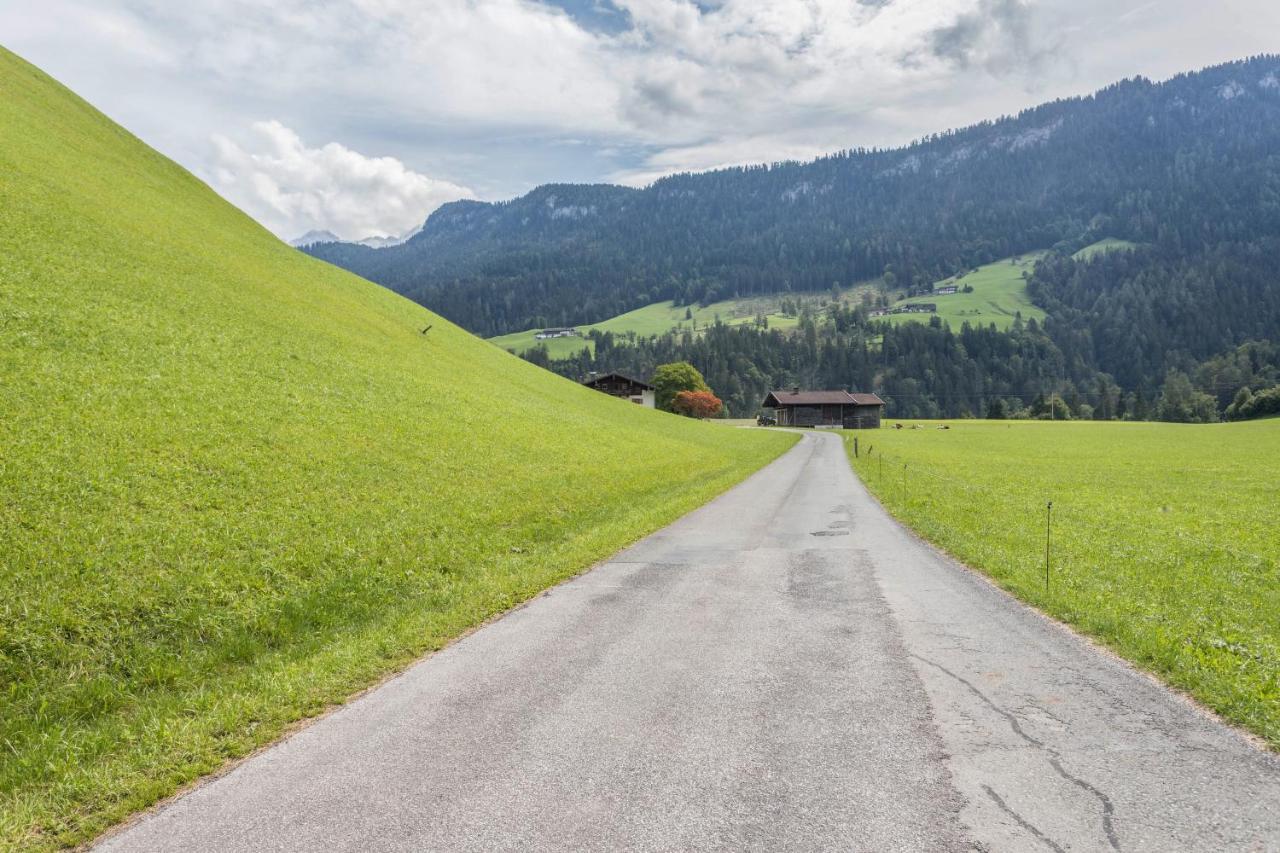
<point x="776" y="399"/>
<point x="594" y="380"/>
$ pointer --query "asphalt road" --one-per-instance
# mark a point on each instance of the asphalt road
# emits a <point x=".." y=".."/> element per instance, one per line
<point x="784" y="669"/>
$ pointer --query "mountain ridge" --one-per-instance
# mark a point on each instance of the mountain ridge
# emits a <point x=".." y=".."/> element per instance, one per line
<point x="566" y="254"/>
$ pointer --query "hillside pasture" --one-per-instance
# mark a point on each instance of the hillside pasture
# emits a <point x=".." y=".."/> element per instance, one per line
<point x="657" y="319"/>
<point x="999" y="295"/>
<point x="1163" y="540"/>
<point x="519" y="342"/>
<point x="662" y="317"/>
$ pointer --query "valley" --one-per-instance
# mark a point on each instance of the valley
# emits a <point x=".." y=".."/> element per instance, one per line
<point x="1148" y="203"/>
<point x="326" y="545"/>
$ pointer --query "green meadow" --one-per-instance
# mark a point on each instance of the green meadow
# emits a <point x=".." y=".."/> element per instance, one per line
<point x="238" y="484"/>
<point x="1163" y="536"/>
<point x="999" y="295"/>
<point x="657" y="319"/>
<point x="1110" y="244"/>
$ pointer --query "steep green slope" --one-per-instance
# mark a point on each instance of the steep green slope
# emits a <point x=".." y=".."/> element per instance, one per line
<point x="237" y="484"/>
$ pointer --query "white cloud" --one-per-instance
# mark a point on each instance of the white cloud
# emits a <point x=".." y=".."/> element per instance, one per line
<point x="291" y="188"/>
<point x="488" y="93"/>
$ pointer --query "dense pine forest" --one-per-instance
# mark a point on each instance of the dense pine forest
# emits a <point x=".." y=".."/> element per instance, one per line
<point x="1188" y="168"/>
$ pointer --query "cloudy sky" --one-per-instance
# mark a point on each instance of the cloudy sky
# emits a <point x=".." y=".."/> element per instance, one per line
<point x="362" y="116"/>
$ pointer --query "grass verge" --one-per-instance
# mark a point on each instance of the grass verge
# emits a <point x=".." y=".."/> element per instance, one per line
<point x="1162" y="540"/>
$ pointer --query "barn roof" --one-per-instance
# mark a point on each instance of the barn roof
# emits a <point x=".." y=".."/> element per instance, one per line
<point x="820" y="398"/>
<point x="593" y="380"/>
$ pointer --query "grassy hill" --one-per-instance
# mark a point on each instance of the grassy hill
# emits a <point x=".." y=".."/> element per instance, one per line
<point x="1163" y="538"/>
<point x="237" y="484"/>
<point x="657" y="319"/>
<point x="999" y="295"/>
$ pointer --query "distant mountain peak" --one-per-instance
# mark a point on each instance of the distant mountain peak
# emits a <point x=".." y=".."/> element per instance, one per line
<point x="313" y="237"/>
<point x="374" y="241"/>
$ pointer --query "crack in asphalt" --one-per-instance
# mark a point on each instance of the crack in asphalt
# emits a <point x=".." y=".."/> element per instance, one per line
<point x="1108" y="809"/>
<point x="1023" y="822"/>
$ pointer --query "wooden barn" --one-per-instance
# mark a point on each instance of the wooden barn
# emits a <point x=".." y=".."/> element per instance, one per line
<point x="620" y="385"/>
<point x="825" y="409"/>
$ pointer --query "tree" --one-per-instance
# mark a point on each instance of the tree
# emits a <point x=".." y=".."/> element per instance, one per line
<point x="696" y="404"/>
<point x="1249" y="405"/>
<point x="671" y="379"/>
<point x="1240" y="405"/>
<point x="997" y="410"/>
<point x="1182" y="403"/>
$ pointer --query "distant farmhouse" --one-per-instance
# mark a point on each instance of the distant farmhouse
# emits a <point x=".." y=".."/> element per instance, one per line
<point x="566" y="332"/>
<point x="620" y="385"/>
<point x="912" y="308"/>
<point x="825" y="409"/>
<point x="943" y="291"/>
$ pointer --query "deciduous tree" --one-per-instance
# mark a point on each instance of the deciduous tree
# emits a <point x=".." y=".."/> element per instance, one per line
<point x="696" y="404"/>
<point x="671" y="379"/>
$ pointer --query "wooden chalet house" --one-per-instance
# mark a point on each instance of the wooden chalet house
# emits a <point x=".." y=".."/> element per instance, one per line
<point x="825" y="409"/>
<point x="620" y="385"/>
<point x="565" y="332"/>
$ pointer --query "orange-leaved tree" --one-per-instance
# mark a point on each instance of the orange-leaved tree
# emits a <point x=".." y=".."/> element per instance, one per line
<point x="696" y="404"/>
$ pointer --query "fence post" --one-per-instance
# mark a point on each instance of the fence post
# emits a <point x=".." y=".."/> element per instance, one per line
<point x="1048" y="519"/>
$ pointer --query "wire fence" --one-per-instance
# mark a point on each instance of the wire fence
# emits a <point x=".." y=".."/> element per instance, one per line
<point x="1205" y="614"/>
<point x="880" y="466"/>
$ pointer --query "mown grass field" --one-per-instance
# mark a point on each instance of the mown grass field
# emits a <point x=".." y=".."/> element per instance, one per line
<point x="999" y="295"/>
<point x="657" y="319"/>
<point x="1163" y="543"/>
<point x="238" y="484"/>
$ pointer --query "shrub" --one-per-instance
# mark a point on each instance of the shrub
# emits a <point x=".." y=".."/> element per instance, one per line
<point x="1247" y="405"/>
<point x="697" y="404"/>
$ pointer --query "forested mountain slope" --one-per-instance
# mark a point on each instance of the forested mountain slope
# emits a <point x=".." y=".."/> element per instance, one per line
<point x="1185" y="165"/>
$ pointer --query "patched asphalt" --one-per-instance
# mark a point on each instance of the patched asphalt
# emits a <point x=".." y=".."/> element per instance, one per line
<point x="783" y="669"/>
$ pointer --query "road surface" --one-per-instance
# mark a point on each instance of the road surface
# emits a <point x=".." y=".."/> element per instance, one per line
<point x="784" y="669"/>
